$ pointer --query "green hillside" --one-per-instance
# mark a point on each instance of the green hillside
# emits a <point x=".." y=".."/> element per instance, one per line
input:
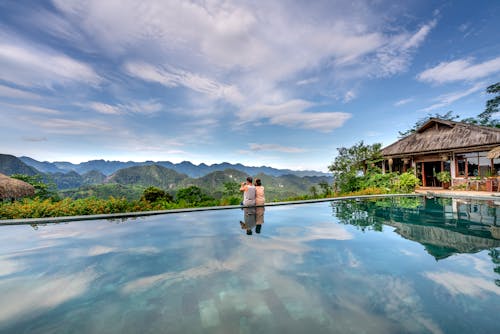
<point x="104" y="191"/>
<point x="9" y="165"/>
<point x="213" y="183"/>
<point x="130" y="182"/>
<point x="152" y="175"/>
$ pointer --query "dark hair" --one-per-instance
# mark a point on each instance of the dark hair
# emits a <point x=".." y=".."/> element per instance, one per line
<point x="249" y="179"/>
<point x="257" y="182"/>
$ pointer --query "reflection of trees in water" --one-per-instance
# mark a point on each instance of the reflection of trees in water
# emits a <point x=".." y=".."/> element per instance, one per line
<point x="495" y="258"/>
<point x="442" y="226"/>
<point x="371" y="213"/>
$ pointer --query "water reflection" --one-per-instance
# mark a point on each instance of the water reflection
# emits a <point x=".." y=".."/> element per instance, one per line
<point x="253" y="217"/>
<point x="198" y="272"/>
<point x="444" y="226"/>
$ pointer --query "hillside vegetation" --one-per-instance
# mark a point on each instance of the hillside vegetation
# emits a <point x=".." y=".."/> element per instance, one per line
<point x="131" y="181"/>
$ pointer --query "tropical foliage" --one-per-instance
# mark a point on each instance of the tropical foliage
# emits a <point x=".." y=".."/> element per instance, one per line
<point x="351" y="163"/>
<point x="42" y="190"/>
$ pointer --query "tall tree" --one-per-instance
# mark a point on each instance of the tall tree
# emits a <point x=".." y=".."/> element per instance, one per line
<point x="356" y="158"/>
<point x="489" y="116"/>
<point x="449" y="116"/>
<point x="352" y="161"/>
<point x="485" y="118"/>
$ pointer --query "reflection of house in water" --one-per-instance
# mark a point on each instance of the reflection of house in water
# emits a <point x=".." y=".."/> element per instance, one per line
<point x="442" y="242"/>
<point x="443" y="226"/>
<point x="450" y="226"/>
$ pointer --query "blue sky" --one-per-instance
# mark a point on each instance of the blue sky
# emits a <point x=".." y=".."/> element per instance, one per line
<point x="276" y="83"/>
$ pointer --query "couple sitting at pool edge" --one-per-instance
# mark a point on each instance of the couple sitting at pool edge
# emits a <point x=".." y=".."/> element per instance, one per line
<point x="252" y="194"/>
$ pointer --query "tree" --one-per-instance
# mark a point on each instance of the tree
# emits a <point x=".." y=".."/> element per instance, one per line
<point x="325" y="188"/>
<point x="42" y="189"/>
<point x="153" y="194"/>
<point x="356" y="158"/>
<point x="352" y="161"/>
<point x="231" y="188"/>
<point x="314" y="191"/>
<point x="485" y="118"/>
<point x="193" y="195"/>
<point x="449" y="116"/>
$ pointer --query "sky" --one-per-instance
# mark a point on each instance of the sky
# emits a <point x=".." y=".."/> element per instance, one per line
<point x="275" y="83"/>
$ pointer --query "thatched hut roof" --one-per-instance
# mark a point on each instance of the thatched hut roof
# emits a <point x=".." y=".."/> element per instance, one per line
<point x="438" y="135"/>
<point x="13" y="188"/>
<point x="494" y="153"/>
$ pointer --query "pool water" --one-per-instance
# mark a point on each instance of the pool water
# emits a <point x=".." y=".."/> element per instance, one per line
<point x="394" y="265"/>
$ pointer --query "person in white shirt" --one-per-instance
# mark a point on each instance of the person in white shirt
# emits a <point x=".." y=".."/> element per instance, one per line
<point x="248" y="190"/>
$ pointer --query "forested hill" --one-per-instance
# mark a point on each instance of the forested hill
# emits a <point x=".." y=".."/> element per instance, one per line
<point x="130" y="182"/>
<point x="10" y="164"/>
<point x="109" y="167"/>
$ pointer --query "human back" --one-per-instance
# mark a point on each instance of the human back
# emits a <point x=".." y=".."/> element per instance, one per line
<point x="248" y="190"/>
<point x="260" y="198"/>
<point x="249" y="195"/>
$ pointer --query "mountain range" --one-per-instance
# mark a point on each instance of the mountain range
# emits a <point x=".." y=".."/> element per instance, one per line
<point x="80" y="181"/>
<point x="109" y="167"/>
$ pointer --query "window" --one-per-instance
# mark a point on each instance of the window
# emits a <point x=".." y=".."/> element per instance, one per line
<point x="484" y="164"/>
<point x="496" y="166"/>
<point x="474" y="164"/>
<point x="460" y="165"/>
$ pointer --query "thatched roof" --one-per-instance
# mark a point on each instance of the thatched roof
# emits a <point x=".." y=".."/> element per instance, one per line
<point x="494" y="153"/>
<point x="13" y="188"/>
<point x="438" y="135"/>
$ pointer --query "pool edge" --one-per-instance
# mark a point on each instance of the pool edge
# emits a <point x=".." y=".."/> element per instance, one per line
<point x="124" y="215"/>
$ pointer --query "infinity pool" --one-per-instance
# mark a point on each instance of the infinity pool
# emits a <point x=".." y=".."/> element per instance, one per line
<point x="394" y="265"/>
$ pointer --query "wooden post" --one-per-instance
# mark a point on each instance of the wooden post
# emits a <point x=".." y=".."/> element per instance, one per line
<point x="424" y="184"/>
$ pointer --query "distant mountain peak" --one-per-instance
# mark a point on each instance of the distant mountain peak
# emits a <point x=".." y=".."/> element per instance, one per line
<point x="108" y="167"/>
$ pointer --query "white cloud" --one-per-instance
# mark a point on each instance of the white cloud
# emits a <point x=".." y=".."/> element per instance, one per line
<point x="44" y="294"/>
<point x="32" y="66"/>
<point x="17" y="93"/>
<point x="8" y="267"/>
<point x="171" y="77"/>
<point x="447" y="99"/>
<point x="136" y="107"/>
<point x="275" y="147"/>
<point x="251" y="47"/>
<point x="460" y="70"/>
<point x="418" y="38"/>
<point x="349" y="96"/>
<point x="33" y="108"/>
<point x="457" y="283"/>
<point x="68" y="126"/>
<point x="104" y="108"/>
<point x="34" y="139"/>
<point x="142" y="107"/>
<point x="395" y="55"/>
<point x="100" y="250"/>
<point x="307" y="81"/>
<point x="292" y="113"/>
<point x="403" y="102"/>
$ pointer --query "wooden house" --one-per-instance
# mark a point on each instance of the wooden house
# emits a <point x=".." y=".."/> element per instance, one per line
<point x="467" y="151"/>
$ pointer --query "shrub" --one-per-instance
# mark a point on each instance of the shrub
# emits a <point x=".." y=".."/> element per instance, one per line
<point x="406" y="182"/>
<point x="154" y="194"/>
<point x="192" y="195"/>
<point x="443" y="176"/>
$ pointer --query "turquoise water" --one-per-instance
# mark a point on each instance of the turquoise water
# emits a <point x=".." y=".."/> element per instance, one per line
<point x="387" y="266"/>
